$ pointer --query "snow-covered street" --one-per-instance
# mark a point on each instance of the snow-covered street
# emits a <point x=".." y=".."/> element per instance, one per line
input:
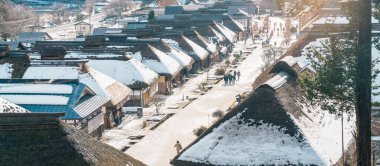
<point x="157" y="146"/>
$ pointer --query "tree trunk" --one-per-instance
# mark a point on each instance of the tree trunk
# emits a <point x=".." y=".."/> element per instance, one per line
<point x="363" y="88"/>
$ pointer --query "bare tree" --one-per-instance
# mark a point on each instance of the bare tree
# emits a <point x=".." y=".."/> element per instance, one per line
<point x="117" y="7"/>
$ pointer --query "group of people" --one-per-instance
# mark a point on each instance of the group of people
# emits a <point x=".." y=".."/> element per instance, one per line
<point x="231" y="77"/>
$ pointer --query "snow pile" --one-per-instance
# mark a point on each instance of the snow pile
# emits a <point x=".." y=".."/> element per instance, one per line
<point x="332" y="20"/>
<point x="237" y="143"/>
<point x="278" y="80"/>
<point x="127" y="72"/>
<point x="97" y="82"/>
<point x="165" y="65"/>
<point x="198" y="50"/>
<point x="36" y="88"/>
<point x="6" y="71"/>
<point x="226" y="32"/>
<point x="37" y="99"/>
<point x="8" y="107"/>
<point x="51" y="73"/>
<point x="181" y="57"/>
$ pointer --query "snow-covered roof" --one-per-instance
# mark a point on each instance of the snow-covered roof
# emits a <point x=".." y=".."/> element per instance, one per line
<point x="290" y="60"/>
<point x="278" y="80"/>
<point x="6" y="71"/>
<point x="82" y="55"/>
<point x="36" y="88"/>
<point x="163" y="65"/>
<point x="51" y="73"/>
<point x="332" y="20"/>
<point x="217" y="34"/>
<point x="128" y="72"/>
<point x="230" y="35"/>
<point x="8" y="107"/>
<point x="272" y="128"/>
<point x="37" y="99"/>
<point x="98" y="82"/>
<point x="198" y="50"/>
<point x="181" y="57"/>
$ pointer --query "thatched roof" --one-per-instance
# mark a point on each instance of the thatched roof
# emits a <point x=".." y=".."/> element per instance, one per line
<point x="46" y="141"/>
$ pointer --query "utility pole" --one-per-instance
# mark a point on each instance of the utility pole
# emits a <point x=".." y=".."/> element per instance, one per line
<point x="363" y="86"/>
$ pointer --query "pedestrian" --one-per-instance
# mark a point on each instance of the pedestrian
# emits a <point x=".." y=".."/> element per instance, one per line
<point x="238" y="75"/>
<point x="233" y="78"/>
<point x="234" y="73"/>
<point x="229" y="78"/>
<point x="238" y="98"/>
<point x="225" y="79"/>
<point x="178" y="147"/>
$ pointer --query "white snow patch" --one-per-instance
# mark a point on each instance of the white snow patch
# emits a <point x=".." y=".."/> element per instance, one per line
<point x="198" y="50"/>
<point x="127" y="72"/>
<point x="8" y="107"/>
<point x="278" y="80"/>
<point x="181" y="57"/>
<point x="51" y="73"/>
<point x="36" y="88"/>
<point x="226" y="32"/>
<point x="37" y="99"/>
<point x="6" y="71"/>
<point x="232" y="143"/>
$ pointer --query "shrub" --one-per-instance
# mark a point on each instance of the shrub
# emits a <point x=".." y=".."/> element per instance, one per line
<point x="199" y="131"/>
<point x="218" y="114"/>
<point x="293" y="30"/>
<point x="234" y="62"/>
<point x="227" y="62"/>
<point x="220" y="71"/>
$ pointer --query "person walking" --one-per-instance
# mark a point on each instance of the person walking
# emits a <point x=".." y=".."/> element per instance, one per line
<point x="178" y="147"/>
<point x="229" y="79"/>
<point x="225" y="79"/>
<point x="233" y="78"/>
<point x="238" y="74"/>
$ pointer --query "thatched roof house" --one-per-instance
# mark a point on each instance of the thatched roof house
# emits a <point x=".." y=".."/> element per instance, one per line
<point x="41" y="139"/>
<point x="275" y="125"/>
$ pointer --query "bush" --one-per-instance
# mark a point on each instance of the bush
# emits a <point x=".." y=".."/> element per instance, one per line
<point x="227" y="62"/>
<point x="218" y="114"/>
<point x="220" y="71"/>
<point x="293" y="30"/>
<point x="234" y="62"/>
<point x="199" y="131"/>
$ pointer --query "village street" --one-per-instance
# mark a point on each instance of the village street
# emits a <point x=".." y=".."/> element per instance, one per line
<point x="157" y="146"/>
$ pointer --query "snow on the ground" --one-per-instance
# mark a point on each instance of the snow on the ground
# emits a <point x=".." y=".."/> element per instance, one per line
<point x="8" y="107"/>
<point x="181" y="57"/>
<point x="198" y="50"/>
<point x="51" y="73"/>
<point x="6" y="71"/>
<point x="36" y="88"/>
<point x="127" y="72"/>
<point x="241" y="144"/>
<point x="37" y="99"/>
<point x="165" y="64"/>
<point x="332" y="20"/>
